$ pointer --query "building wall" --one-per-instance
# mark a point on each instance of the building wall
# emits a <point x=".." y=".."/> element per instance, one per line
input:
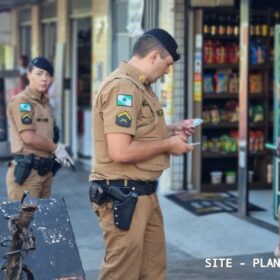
<point x="172" y="20"/>
<point x="36" y="34"/>
<point x="101" y="43"/>
<point x="6" y="51"/>
<point x="180" y="93"/>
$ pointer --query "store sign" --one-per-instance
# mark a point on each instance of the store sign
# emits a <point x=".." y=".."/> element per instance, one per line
<point x="211" y="3"/>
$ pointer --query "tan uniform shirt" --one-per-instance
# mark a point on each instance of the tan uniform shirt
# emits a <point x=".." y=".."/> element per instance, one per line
<point x="127" y="104"/>
<point x="29" y="110"/>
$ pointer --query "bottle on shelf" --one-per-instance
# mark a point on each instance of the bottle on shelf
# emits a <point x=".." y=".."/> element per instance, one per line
<point x="229" y="25"/>
<point x="257" y="26"/>
<point x="208" y="52"/>
<point x="213" y="25"/>
<point x="221" y="25"/>
<point x="206" y="25"/>
<point x="272" y="23"/>
<point x="277" y="17"/>
<point x="252" y="26"/>
<point x="236" y="26"/>
<point x="264" y="26"/>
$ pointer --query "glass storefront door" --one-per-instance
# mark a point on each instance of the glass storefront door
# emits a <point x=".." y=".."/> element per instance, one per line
<point x="274" y="172"/>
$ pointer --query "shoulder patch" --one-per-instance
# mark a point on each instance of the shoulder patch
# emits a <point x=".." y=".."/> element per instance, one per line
<point x="26" y="118"/>
<point x="123" y="119"/>
<point x="124" y="100"/>
<point x="25" y="107"/>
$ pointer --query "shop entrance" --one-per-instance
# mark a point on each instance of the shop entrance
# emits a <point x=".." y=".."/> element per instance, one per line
<point x="219" y="99"/>
<point x="81" y="85"/>
<point x="276" y="123"/>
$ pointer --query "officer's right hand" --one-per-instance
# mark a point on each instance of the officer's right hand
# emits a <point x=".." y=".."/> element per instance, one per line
<point x="62" y="156"/>
<point x="177" y="145"/>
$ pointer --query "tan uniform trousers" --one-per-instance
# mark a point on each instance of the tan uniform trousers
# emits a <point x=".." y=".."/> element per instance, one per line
<point x="136" y="254"/>
<point x="37" y="186"/>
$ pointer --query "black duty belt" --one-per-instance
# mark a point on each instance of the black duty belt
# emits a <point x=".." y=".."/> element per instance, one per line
<point x="37" y="162"/>
<point x="141" y="187"/>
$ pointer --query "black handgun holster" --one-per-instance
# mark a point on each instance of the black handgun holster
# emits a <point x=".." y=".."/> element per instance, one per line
<point x="123" y="212"/>
<point x="124" y="202"/>
<point x="22" y="170"/>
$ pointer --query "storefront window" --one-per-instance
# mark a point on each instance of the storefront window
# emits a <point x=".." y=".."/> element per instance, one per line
<point x="49" y="40"/>
<point x="122" y="42"/>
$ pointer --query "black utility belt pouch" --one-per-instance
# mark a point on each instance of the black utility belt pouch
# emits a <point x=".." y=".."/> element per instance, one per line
<point x="56" y="167"/>
<point x="22" y="169"/>
<point x="97" y="193"/>
<point x="45" y="166"/>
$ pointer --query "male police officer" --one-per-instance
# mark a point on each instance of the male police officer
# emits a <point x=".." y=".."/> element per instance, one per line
<point x="31" y="133"/>
<point x="132" y="146"/>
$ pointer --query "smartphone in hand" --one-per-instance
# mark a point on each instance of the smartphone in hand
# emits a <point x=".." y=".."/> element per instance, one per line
<point x="194" y="143"/>
<point x="197" y="122"/>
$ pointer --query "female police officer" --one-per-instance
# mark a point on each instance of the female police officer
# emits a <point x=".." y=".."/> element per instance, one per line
<point x="132" y="148"/>
<point x="31" y="134"/>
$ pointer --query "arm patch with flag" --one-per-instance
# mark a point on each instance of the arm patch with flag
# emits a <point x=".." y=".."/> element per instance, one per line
<point x="124" y="100"/>
<point x="25" y="107"/>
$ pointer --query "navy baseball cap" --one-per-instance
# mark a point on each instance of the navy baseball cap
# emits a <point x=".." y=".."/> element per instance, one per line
<point x="42" y="63"/>
<point x="166" y="40"/>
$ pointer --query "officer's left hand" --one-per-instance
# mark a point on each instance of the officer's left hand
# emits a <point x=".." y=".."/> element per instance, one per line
<point x="183" y="127"/>
<point x="62" y="156"/>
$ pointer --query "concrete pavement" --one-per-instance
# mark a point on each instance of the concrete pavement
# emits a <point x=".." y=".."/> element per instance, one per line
<point x="190" y="239"/>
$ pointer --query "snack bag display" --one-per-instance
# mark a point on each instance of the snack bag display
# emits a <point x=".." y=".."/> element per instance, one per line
<point x="208" y="87"/>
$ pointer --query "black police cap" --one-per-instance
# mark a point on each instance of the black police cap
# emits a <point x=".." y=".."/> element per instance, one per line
<point x="166" y="40"/>
<point x="42" y="63"/>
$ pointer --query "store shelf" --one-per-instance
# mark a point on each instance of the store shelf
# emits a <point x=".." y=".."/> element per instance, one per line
<point x="216" y="105"/>
<point x="258" y="154"/>
<point x="218" y="187"/>
<point x="221" y="96"/>
<point x="256" y="96"/>
<point x="257" y="125"/>
<point x="216" y="66"/>
<point x="206" y="154"/>
<point x="259" y="186"/>
<point x="264" y="66"/>
<point x="221" y="155"/>
<point x="221" y="125"/>
<point x="221" y="37"/>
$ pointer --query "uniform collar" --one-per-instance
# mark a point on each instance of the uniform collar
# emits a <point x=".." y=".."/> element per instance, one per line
<point x="134" y="72"/>
<point x="36" y="95"/>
